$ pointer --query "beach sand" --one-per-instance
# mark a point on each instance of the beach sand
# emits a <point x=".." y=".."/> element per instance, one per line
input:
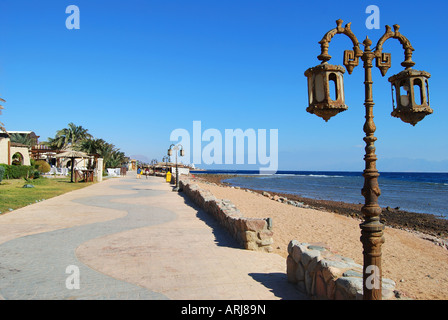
<point x="418" y="266"/>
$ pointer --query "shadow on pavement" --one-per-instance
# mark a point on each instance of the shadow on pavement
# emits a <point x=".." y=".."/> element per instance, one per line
<point x="278" y="284"/>
<point x="222" y="237"/>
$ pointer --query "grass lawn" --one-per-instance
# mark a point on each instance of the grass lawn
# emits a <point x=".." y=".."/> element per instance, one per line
<point x="14" y="196"/>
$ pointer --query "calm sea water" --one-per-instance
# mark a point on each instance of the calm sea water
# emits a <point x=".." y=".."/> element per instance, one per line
<point x="410" y="191"/>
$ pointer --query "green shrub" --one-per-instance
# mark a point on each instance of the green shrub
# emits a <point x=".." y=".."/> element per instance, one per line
<point x="2" y="172"/>
<point x="42" y="166"/>
<point x="4" y="166"/>
<point x="36" y="174"/>
<point x="17" y="171"/>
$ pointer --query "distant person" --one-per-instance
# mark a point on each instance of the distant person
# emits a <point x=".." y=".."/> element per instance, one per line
<point x="139" y="172"/>
<point x="147" y="172"/>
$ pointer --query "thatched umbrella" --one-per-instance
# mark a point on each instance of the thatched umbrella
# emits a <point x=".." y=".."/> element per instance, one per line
<point x="72" y="154"/>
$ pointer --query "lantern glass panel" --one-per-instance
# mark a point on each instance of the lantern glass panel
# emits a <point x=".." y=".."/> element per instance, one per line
<point x="418" y="92"/>
<point x="341" y="86"/>
<point x="319" y="86"/>
<point x="333" y="88"/>
<point x="404" y="93"/>
<point x="310" y="89"/>
<point x="393" y="94"/>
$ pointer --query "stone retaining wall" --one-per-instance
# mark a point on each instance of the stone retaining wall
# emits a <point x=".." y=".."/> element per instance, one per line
<point x="324" y="275"/>
<point x="252" y="234"/>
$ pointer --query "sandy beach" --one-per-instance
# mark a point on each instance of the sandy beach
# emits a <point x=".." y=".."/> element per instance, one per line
<point x="418" y="266"/>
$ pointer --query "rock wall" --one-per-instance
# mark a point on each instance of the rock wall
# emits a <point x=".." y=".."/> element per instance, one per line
<point x="324" y="275"/>
<point x="252" y="234"/>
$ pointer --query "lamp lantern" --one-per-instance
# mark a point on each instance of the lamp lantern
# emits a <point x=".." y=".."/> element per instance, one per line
<point x="326" y="90"/>
<point x="412" y="95"/>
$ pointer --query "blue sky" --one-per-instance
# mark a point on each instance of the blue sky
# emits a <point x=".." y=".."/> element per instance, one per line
<point x="137" y="70"/>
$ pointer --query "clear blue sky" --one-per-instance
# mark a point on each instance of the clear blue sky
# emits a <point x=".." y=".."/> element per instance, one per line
<point x="136" y="70"/>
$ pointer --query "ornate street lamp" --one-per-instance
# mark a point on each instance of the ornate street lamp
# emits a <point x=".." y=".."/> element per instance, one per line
<point x="181" y="153"/>
<point x="153" y="165"/>
<point x="166" y="159"/>
<point x="326" y="99"/>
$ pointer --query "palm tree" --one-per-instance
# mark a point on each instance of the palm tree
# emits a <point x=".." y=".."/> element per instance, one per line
<point x="69" y="137"/>
<point x="112" y="156"/>
<point x="116" y="159"/>
<point x="53" y="143"/>
<point x="2" y="128"/>
<point x="106" y="151"/>
<point x="21" y="138"/>
<point x="79" y="139"/>
<point x="90" y="146"/>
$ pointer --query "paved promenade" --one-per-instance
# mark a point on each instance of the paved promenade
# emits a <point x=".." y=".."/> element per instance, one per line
<point x="128" y="238"/>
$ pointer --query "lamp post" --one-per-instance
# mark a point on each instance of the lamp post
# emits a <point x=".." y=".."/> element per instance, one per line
<point x="181" y="153"/>
<point x="165" y="159"/>
<point x="326" y="99"/>
<point x="153" y="164"/>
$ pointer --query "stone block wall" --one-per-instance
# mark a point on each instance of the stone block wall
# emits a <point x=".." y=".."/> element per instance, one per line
<point x="252" y="234"/>
<point x="324" y="275"/>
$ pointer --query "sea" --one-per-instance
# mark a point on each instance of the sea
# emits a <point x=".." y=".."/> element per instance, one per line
<point x="421" y="192"/>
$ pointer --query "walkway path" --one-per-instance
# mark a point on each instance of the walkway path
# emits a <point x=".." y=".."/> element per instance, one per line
<point x="130" y="239"/>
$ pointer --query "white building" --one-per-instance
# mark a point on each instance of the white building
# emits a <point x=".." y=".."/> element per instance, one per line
<point x="11" y="152"/>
